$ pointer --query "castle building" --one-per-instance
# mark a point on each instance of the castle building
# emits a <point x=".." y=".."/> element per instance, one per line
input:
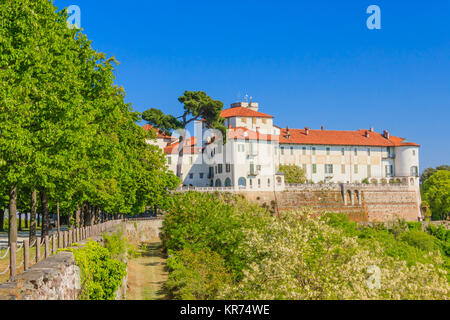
<point x="255" y="148"/>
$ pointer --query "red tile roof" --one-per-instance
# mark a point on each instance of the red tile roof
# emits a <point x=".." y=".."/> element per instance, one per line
<point x="189" y="147"/>
<point x="243" y="112"/>
<point x="341" y="138"/>
<point x="242" y="133"/>
<point x="160" y="134"/>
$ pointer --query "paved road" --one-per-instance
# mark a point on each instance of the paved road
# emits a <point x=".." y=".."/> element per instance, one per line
<point x="22" y="236"/>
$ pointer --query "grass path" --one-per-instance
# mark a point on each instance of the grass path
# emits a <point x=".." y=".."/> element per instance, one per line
<point x="146" y="274"/>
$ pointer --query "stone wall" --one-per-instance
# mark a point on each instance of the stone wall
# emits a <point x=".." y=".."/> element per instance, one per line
<point x="55" y="278"/>
<point x="362" y="203"/>
<point x="142" y="230"/>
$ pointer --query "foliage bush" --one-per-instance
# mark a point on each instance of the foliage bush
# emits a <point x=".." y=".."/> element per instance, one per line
<point x="196" y="275"/>
<point x="101" y="275"/>
<point x="293" y="174"/>
<point x="250" y="254"/>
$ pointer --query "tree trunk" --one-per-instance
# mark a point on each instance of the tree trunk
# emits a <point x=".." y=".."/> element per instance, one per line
<point x="181" y="141"/>
<point x="33" y="216"/>
<point x="20" y="221"/>
<point x="45" y="214"/>
<point x="12" y="236"/>
<point x="82" y="214"/>
<point x="77" y="218"/>
<point x="2" y="219"/>
<point x="58" y="225"/>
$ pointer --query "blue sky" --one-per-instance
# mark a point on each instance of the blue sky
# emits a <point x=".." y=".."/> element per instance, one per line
<point x="308" y="63"/>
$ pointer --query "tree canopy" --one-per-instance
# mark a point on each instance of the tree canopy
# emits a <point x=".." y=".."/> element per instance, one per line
<point x="65" y="128"/>
<point x="293" y="174"/>
<point x="436" y="193"/>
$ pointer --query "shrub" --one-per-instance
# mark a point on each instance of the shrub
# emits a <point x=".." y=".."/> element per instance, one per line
<point x="196" y="275"/>
<point x="101" y="275"/>
<point x="419" y="240"/>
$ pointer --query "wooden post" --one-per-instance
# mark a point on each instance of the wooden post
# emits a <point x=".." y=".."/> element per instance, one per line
<point x="47" y="253"/>
<point x="12" y="260"/>
<point x="70" y="238"/>
<point x="26" y="254"/>
<point x="61" y="239"/>
<point x="54" y="244"/>
<point x="38" y="249"/>
<point x="66" y="239"/>
<point x="58" y="225"/>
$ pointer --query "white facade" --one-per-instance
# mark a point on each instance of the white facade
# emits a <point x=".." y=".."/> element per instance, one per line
<point x="256" y="147"/>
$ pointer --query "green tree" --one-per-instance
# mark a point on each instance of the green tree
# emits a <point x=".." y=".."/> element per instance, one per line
<point x="293" y="174"/>
<point x="197" y="106"/>
<point x="430" y="171"/>
<point x="436" y="193"/>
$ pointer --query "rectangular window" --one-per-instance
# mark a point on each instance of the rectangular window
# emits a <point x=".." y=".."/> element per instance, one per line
<point x="304" y="151"/>
<point x="328" y="151"/>
<point x="191" y="176"/>
<point x="228" y="167"/>
<point x="314" y="168"/>
<point x="220" y="168"/>
<point x="282" y="151"/>
<point x="343" y="151"/>
<point x="292" y="151"/>
<point x="244" y="120"/>
<point x="369" y="152"/>
<point x="258" y="168"/>
<point x="356" y="168"/>
<point x="329" y="169"/>
<point x="314" y="151"/>
<point x="343" y="169"/>
<point x="356" y="152"/>
<point x="264" y="121"/>
<point x="169" y="160"/>
<point x="202" y="175"/>
<point x="254" y="120"/>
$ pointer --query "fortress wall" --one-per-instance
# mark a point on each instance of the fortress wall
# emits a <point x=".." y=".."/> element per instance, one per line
<point x="377" y="203"/>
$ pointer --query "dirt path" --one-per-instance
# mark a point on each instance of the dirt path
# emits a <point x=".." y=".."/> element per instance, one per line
<point x="146" y="274"/>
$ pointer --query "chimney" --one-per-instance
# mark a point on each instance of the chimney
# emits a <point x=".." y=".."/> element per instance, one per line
<point x="307" y="131"/>
<point x="288" y="133"/>
<point x="371" y="129"/>
<point x="367" y="134"/>
<point x="387" y="135"/>
<point x="323" y="128"/>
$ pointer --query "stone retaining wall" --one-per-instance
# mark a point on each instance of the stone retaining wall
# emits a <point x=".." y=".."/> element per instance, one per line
<point x="362" y="203"/>
<point x="55" y="278"/>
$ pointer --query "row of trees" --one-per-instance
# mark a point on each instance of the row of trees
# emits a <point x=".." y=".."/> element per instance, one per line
<point x="69" y="143"/>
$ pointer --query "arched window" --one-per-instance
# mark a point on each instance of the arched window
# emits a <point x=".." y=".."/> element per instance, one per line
<point x="242" y="182"/>
<point x="228" y="182"/>
<point x="218" y="183"/>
